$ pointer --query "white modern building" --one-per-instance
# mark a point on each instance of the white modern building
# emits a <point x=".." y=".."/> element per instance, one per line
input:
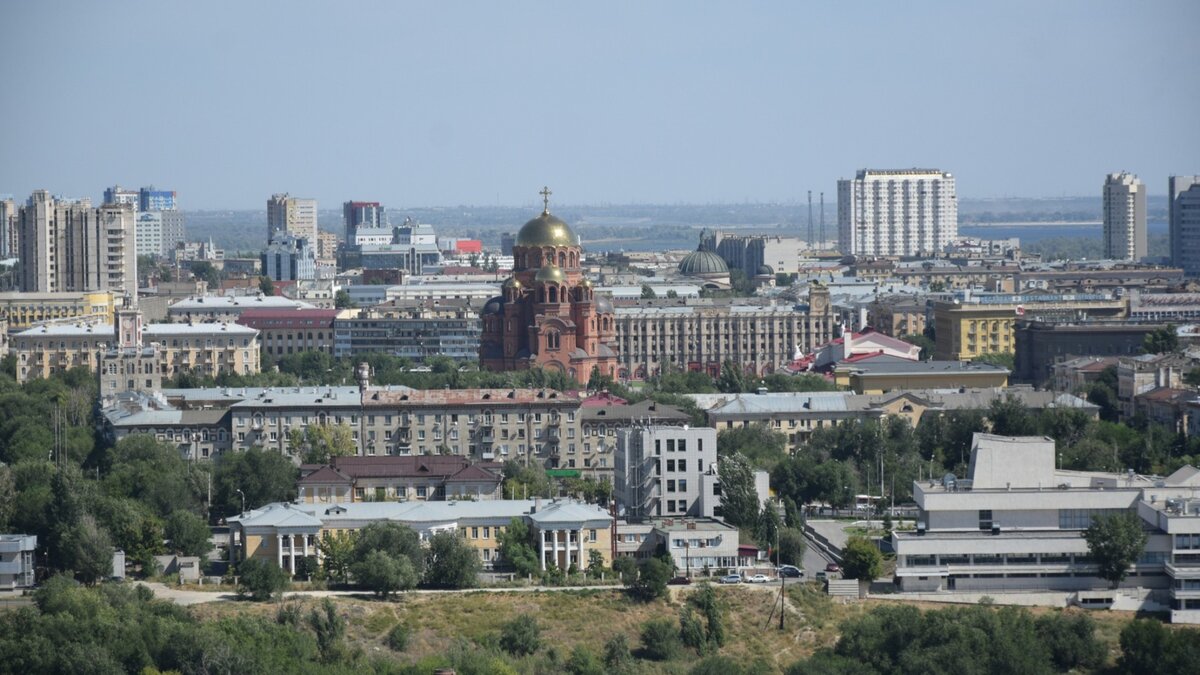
<point x="658" y="470"/>
<point x="16" y="560"/>
<point x="905" y="212"/>
<point x="1017" y="525"/>
<point x="66" y="245"/>
<point x="1184" y="196"/>
<point x="1124" y="217"/>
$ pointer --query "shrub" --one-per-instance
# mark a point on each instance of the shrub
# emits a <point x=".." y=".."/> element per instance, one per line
<point x="651" y="582"/>
<point x="260" y="580"/>
<point x="329" y="628"/>
<point x="288" y="615"/>
<point x="398" y="637"/>
<point x="660" y="640"/>
<point x="583" y="662"/>
<point x="616" y="653"/>
<point x="522" y="636"/>
<point x="706" y="600"/>
<point x="384" y="574"/>
<point x="450" y="562"/>
<point x="862" y="560"/>
<point x="1072" y="641"/>
<point x="307" y="568"/>
<point x="691" y="633"/>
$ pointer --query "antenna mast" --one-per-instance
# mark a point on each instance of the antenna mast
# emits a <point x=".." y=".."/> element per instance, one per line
<point x="822" y="219"/>
<point x="810" y="220"/>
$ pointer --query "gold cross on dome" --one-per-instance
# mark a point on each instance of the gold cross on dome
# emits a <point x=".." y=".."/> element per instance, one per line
<point x="545" y="193"/>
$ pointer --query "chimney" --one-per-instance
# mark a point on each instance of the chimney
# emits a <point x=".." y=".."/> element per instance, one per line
<point x="537" y="504"/>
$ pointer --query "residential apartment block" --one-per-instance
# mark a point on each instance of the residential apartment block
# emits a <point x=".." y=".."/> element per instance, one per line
<point x="291" y="215"/>
<point x="797" y="415"/>
<point x="973" y="324"/>
<point x="404" y="478"/>
<point x="163" y="350"/>
<point x="291" y="331"/>
<point x="658" y="470"/>
<point x="905" y="212"/>
<point x="228" y="307"/>
<point x="1183" y="194"/>
<point x="1124" y="217"/>
<point x="414" y="329"/>
<point x="23" y="310"/>
<point x="70" y="246"/>
<point x="702" y="334"/>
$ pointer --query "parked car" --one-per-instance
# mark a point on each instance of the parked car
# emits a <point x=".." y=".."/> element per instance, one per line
<point x="731" y="579"/>
<point x="790" y="571"/>
<point x="821" y="575"/>
<point x="679" y="581"/>
<point x="833" y="567"/>
<point x="757" y="579"/>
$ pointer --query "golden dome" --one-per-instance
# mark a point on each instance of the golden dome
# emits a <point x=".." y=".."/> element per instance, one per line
<point x="586" y="283"/>
<point x="551" y="273"/>
<point x="512" y="282"/>
<point x="546" y="230"/>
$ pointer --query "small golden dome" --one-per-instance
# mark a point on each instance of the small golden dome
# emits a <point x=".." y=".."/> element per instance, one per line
<point x="551" y="273"/>
<point x="512" y="282"/>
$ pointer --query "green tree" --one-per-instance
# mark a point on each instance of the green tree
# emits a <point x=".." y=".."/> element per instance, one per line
<point x="757" y="442"/>
<point x="924" y="342"/>
<point x="791" y="547"/>
<point x="861" y="559"/>
<point x="1115" y="542"/>
<point x="89" y="551"/>
<point x="188" y="533"/>
<point x="767" y="526"/>
<point x="1161" y="341"/>
<point x="733" y="379"/>
<point x="648" y="292"/>
<point x="516" y="548"/>
<point x="595" y="565"/>
<point x="1149" y="647"/>
<point x="660" y="640"/>
<point x="525" y="481"/>
<point x="584" y="662"/>
<point x="266" y="286"/>
<point x="739" y="499"/>
<point x="617" y="657"/>
<point x="522" y="636"/>
<point x="1002" y="359"/>
<point x="384" y="574"/>
<point x="341" y="300"/>
<point x="154" y="473"/>
<point x="1010" y="417"/>
<point x="320" y="442"/>
<point x="134" y="528"/>
<point x="710" y="606"/>
<point x="337" y="550"/>
<point x="263" y="476"/>
<point x="330" y="629"/>
<point x="652" y="578"/>
<point x="450" y="562"/>
<point x="206" y="272"/>
<point x="392" y="538"/>
<point x="1072" y="641"/>
<point x="691" y="632"/>
<point x="260" y="580"/>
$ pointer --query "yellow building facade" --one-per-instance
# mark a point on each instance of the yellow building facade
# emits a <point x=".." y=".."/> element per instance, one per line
<point x="23" y="310"/>
<point x="966" y="329"/>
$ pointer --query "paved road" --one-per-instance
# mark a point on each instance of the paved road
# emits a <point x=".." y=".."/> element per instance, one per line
<point x="189" y="597"/>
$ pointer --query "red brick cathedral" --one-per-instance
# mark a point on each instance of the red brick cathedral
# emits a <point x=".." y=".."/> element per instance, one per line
<point x="549" y="315"/>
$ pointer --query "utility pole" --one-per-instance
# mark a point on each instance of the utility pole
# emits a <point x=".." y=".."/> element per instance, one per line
<point x="822" y="219"/>
<point x="810" y="220"/>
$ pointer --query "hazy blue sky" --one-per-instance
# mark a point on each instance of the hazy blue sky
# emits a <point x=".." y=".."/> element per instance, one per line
<point x="444" y="103"/>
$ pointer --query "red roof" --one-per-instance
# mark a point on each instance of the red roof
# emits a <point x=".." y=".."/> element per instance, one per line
<point x="602" y="398"/>
<point x="393" y="466"/>
<point x="306" y="317"/>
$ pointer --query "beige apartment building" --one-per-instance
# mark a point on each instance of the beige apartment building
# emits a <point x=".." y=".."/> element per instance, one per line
<point x="70" y="246"/>
<point x="974" y="325"/>
<point x="164" y="349"/>
<point x="701" y="335"/>
<point x="23" y="310"/>
<point x="293" y="215"/>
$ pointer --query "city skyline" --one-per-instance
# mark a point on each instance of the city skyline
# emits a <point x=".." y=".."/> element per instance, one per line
<point x="629" y="105"/>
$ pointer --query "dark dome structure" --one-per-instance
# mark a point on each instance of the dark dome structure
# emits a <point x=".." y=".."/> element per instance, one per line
<point x="765" y="271"/>
<point x="701" y="263"/>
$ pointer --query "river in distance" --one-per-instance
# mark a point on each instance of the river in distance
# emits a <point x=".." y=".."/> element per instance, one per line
<point x="1030" y="232"/>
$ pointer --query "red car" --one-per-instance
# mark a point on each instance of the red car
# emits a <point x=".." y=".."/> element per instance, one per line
<point x="833" y="567"/>
<point x="679" y="581"/>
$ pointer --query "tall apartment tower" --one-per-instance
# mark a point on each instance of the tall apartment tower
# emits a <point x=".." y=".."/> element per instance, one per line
<point x="71" y="246"/>
<point x="362" y="214"/>
<point x="905" y="212"/>
<point x="8" y="227"/>
<point x="1124" y="217"/>
<point x="1184" y="195"/>
<point x="295" y="216"/>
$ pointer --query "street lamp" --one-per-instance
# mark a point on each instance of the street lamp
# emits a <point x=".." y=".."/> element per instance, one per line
<point x="243" y="494"/>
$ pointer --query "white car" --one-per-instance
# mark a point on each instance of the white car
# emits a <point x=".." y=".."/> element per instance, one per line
<point x="757" y="579"/>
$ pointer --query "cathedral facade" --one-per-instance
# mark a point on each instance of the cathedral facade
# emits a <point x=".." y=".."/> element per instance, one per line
<point x="549" y="315"/>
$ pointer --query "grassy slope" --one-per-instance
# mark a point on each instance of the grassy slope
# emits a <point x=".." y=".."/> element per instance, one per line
<point x="590" y="618"/>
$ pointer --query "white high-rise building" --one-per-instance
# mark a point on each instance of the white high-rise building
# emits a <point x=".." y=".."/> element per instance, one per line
<point x="904" y="212"/>
<point x="1184" y="195"/>
<point x="295" y="216"/>
<point x="1124" y="217"/>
